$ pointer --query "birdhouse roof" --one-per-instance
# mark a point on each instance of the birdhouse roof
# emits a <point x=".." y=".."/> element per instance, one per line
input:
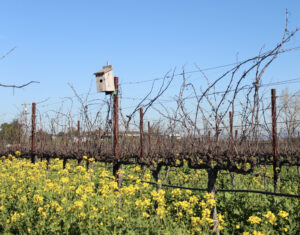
<point x="105" y="69"/>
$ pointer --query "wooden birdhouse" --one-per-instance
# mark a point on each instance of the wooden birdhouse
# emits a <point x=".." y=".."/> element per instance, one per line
<point x="105" y="80"/>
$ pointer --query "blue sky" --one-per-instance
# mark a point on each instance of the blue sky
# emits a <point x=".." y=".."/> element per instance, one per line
<point x="61" y="42"/>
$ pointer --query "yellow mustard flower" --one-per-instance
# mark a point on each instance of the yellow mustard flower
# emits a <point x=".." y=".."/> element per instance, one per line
<point x="65" y="180"/>
<point x="254" y="220"/>
<point x="145" y="215"/>
<point x="270" y="217"/>
<point x="283" y="214"/>
<point x="258" y="232"/>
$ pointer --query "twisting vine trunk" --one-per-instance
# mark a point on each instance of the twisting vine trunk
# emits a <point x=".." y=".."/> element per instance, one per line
<point x="157" y="176"/>
<point x="167" y="175"/>
<point x="211" y="188"/>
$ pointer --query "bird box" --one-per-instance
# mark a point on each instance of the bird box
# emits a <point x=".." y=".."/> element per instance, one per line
<point x="105" y="80"/>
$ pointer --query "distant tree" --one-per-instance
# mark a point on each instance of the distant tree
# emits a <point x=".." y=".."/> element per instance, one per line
<point x="11" y="132"/>
<point x="290" y="112"/>
<point x="61" y="134"/>
<point x="72" y="131"/>
<point x="42" y="135"/>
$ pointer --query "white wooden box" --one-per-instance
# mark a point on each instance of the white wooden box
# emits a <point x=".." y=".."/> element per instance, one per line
<point x="105" y="79"/>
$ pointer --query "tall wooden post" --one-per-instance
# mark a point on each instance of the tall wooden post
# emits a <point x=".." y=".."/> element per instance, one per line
<point x="149" y="138"/>
<point x="141" y="134"/>
<point x="208" y="136"/>
<point x="99" y="139"/>
<point x="217" y="132"/>
<point x="67" y="140"/>
<point x="33" y="131"/>
<point x="235" y="137"/>
<point x="158" y="141"/>
<point x="276" y="166"/>
<point x="116" y="164"/>
<point x="230" y="125"/>
<point x="231" y="142"/>
<point x="78" y="136"/>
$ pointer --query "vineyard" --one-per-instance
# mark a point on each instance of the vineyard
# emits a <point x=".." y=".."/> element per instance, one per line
<point x="222" y="157"/>
<point x="45" y="198"/>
